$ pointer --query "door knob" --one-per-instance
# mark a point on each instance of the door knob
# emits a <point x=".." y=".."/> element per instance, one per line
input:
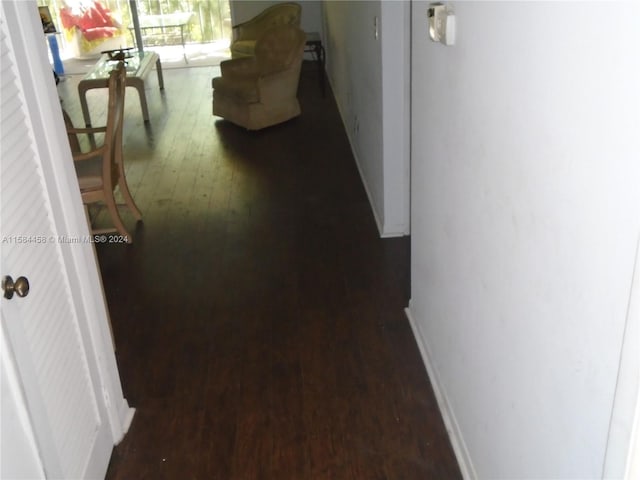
<point x="19" y="287"/>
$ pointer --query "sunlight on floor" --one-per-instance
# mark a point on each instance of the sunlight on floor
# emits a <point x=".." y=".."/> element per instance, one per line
<point x="197" y="54"/>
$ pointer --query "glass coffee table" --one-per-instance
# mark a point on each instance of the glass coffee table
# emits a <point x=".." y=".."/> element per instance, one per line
<point x="138" y="66"/>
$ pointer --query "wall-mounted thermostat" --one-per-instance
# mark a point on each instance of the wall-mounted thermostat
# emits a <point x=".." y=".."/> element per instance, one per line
<point x="442" y="24"/>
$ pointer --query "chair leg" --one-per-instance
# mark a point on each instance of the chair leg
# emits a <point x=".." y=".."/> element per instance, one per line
<point x="124" y="189"/>
<point x="115" y="217"/>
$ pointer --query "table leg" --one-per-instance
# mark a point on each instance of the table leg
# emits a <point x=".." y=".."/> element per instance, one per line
<point x="184" y="50"/>
<point x="82" y="93"/>
<point x="138" y="84"/>
<point x="159" y="72"/>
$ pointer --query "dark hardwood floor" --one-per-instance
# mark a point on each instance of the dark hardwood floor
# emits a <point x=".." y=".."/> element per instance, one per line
<point x="258" y="317"/>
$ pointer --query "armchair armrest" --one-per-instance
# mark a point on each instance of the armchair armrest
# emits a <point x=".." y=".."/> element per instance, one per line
<point x="239" y="67"/>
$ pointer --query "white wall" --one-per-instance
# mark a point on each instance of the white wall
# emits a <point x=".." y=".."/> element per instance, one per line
<point x="525" y="219"/>
<point x="369" y="77"/>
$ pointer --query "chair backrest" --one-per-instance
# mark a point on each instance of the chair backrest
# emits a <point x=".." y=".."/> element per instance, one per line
<point x="279" y="48"/>
<point x="281" y="14"/>
<point x="287" y="13"/>
<point x="115" y="120"/>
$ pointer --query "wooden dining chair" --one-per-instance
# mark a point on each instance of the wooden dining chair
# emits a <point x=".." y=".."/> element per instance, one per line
<point x="101" y="170"/>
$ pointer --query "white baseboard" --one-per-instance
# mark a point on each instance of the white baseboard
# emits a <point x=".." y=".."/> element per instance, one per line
<point x="392" y="231"/>
<point x="126" y="414"/>
<point x="455" y="435"/>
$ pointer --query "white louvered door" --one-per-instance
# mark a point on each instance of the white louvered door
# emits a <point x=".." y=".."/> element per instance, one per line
<point x="47" y="339"/>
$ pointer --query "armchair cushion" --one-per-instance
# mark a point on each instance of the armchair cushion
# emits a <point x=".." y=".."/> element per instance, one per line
<point x="241" y="90"/>
<point x="243" y="48"/>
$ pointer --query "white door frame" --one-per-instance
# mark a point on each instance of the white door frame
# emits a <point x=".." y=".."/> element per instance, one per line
<point x="632" y="469"/>
<point x="43" y="105"/>
<point x="623" y="445"/>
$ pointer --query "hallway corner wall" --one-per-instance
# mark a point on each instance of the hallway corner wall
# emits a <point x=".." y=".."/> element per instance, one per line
<point x="367" y="66"/>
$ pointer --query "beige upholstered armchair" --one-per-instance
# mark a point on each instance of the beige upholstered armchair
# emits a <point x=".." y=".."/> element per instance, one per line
<point x="245" y="35"/>
<point x="256" y="92"/>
